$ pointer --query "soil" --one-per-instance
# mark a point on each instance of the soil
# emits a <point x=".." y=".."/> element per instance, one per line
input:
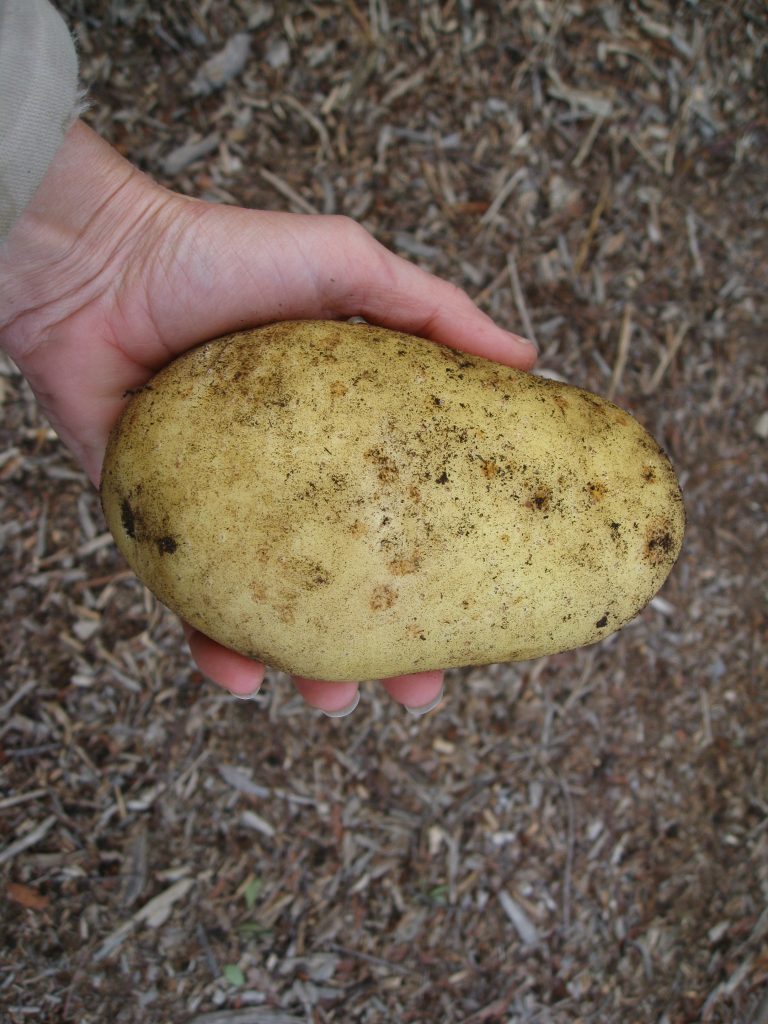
<point x="579" y="838"/>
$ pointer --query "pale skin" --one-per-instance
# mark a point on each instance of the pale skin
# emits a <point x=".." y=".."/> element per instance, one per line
<point x="106" y="277"/>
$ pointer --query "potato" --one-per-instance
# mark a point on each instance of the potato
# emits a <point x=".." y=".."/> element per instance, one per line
<point x="345" y="502"/>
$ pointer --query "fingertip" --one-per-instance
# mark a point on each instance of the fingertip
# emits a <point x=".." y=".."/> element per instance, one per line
<point x="419" y="692"/>
<point x="334" y="699"/>
<point x="232" y="671"/>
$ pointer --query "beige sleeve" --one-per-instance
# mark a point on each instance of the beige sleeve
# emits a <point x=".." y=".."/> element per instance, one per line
<point x="38" y="98"/>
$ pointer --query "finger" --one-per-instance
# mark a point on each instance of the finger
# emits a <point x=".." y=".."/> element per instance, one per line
<point x="232" y="671"/>
<point x="392" y="292"/>
<point x="419" y="693"/>
<point x="334" y="699"/>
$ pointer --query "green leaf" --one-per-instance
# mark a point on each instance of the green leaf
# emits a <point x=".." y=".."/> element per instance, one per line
<point x="439" y="894"/>
<point x="252" y="891"/>
<point x="253" y="930"/>
<point x="234" y="975"/>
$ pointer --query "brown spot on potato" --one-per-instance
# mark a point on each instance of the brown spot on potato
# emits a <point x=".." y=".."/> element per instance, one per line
<point x="405" y="566"/>
<point x="358" y="529"/>
<point x="166" y="545"/>
<point x="383" y="598"/>
<point x="338" y="389"/>
<point x="659" y="542"/>
<point x="541" y="499"/>
<point x="128" y="519"/>
<point x="490" y="469"/>
<point x="286" y="613"/>
<point x="415" y="632"/>
<point x="258" y="592"/>
<point x="388" y="471"/>
<point x="602" y="623"/>
<point x="596" y="490"/>
<point x="649" y="474"/>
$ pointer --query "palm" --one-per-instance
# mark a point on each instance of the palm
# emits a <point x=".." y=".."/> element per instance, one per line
<point x="179" y="272"/>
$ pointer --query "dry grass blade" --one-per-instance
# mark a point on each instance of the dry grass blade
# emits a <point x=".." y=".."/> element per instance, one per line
<point x="517" y="292"/>
<point x="622" y="351"/>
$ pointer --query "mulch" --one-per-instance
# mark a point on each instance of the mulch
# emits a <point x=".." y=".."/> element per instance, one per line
<point x="580" y="838"/>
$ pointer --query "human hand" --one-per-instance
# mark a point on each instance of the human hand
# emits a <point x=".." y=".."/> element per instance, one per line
<point x="106" y="277"/>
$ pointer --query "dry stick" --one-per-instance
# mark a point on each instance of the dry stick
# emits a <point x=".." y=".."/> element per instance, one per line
<point x="586" y="147"/>
<point x="503" y="195"/>
<point x="570" y="844"/>
<point x="594" y="220"/>
<point x="666" y="360"/>
<point x="313" y="121"/>
<point x="623" y="351"/>
<point x="693" y="244"/>
<point x="285" y="189"/>
<point x="517" y="291"/>
<point x="30" y="839"/>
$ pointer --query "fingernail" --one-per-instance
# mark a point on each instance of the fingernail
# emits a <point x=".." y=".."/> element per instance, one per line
<point x="244" y="696"/>
<point x="426" y="708"/>
<point x="528" y="343"/>
<point x="343" y="712"/>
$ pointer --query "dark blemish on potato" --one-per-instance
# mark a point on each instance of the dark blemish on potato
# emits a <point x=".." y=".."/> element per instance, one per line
<point x="659" y="543"/>
<point x="596" y="490"/>
<point x="649" y="474"/>
<point x="128" y="519"/>
<point x="383" y="597"/>
<point x="541" y="499"/>
<point x="166" y="545"/>
<point x="338" y="389"/>
<point x="490" y="468"/>
<point x="443" y="478"/>
<point x="388" y="471"/>
<point x="602" y="623"/>
<point x="438" y="401"/>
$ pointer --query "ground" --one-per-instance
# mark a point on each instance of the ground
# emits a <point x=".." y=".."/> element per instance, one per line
<point x="580" y="838"/>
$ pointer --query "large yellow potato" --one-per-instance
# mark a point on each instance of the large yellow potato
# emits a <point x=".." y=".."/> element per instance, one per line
<point x="345" y="502"/>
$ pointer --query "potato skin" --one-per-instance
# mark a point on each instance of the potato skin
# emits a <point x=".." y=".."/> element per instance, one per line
<point x="346" y="502"/>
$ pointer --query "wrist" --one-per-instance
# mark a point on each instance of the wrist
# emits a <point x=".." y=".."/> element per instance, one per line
<point x="57" y="256"/>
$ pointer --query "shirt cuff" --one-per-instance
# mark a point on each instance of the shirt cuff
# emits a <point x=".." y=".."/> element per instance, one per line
<point x="39" y="99"/>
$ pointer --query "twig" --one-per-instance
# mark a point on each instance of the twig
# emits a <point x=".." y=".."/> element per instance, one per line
<point x="568" y="872"/>
<point x="153" y="913"/>
<point x="623" y="351"/>
<point x="503" y="195"/>
<point x="367" y="958"/>
<point x="285" y="189"/>
<point x="517" y="292"/>
<point x="589" y="140"/>
<point x="666" y="360"/>
<point x="594" y="220"/>
<point x="312" y="121"/>
<point x="253" y="1015"/>
<point x="693" y="244"/>
<point x="30" y="839"/>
